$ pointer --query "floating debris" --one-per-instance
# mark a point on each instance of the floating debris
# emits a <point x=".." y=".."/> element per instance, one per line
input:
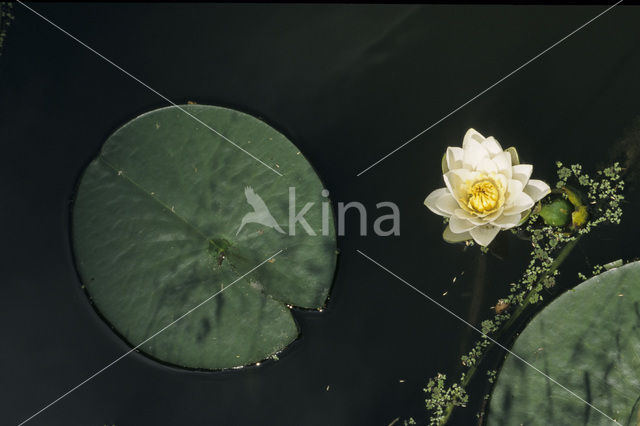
<point x="614" y="264"/>
<point x="501" y="306"/>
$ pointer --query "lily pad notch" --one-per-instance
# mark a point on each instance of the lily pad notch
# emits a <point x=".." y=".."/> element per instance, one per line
<point x="157" y="227"/>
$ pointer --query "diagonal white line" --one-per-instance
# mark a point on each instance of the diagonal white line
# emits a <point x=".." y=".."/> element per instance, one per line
<point x="450" y="312"/>
<point x="145" y="341"/>
<point x="489" y="88"/>
<point x="151" y="89"/>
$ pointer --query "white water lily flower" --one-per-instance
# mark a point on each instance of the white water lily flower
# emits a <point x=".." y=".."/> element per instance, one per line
<point x="487" y="190"/>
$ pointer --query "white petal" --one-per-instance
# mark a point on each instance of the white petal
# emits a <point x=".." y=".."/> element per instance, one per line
<point x="455" y="156"/>
<point x="487" y="165"/>
<point x="536" y="189"/>
<point x="503" y="163"/>
<point x="459" y="226"/>
<point x="519" y="204"/>
<point x="502" y="180"/>
<point x="463" y="214"/>
<point x="473" y="154"/>
<point x="522" y="172"/>
<point x="471" y="135"/>
<point x="449" y="236"/>
<point x="432" y="198"/>
<point x="507" y="221"/>
<point x="447" y="204"/>
<point x="484" y="234"/>
<point x="514" y="189"/>
<point x="492" y="146"/>
<point x="491" y="217"/>
<point x="456" y="180"/>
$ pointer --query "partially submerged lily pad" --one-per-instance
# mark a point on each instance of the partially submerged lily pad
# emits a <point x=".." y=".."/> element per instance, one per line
<point x="588" y="341"/>
<point x="557" y="212"/>
<point x="568" y="210"/>
<point x="157" y="230"/>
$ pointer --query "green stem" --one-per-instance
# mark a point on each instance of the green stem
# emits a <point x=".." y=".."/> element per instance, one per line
<point x="566" y="250"/>
<point x="564" y="253"/>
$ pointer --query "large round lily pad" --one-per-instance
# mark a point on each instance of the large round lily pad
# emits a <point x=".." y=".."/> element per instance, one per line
<point x="589" y="341"/>
<point x="158" y="228"/>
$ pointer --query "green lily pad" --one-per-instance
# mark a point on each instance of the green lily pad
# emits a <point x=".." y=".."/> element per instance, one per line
<point x="158" y="228"/>
<point x="588" y="340"/>
<point x="556" y="213"/>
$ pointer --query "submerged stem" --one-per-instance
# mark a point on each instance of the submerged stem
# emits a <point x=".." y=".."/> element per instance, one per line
<point x="566" y="250"/>
<point x="564" y="253"/>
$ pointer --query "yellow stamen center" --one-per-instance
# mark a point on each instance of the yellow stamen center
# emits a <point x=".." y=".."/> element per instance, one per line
<point x="483" y="197"/>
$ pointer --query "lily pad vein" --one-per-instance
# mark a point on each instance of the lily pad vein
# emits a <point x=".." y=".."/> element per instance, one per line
<point x="123" y="174"/>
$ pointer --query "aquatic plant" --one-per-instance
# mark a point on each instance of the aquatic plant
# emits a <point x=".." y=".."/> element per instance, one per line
<point x="158" y="234"/>
<point x="578" y="204"/>
<point x="586" y="340"/>
<point x="487" y="190"/>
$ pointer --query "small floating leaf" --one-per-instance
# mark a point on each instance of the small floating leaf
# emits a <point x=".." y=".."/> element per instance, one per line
<point x="579" y="217"/>
<point x="557" y="213"/>
<point x="574" y="196"/>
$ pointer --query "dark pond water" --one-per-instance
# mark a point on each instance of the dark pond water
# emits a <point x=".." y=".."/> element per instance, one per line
<point x="347" y="84"/>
